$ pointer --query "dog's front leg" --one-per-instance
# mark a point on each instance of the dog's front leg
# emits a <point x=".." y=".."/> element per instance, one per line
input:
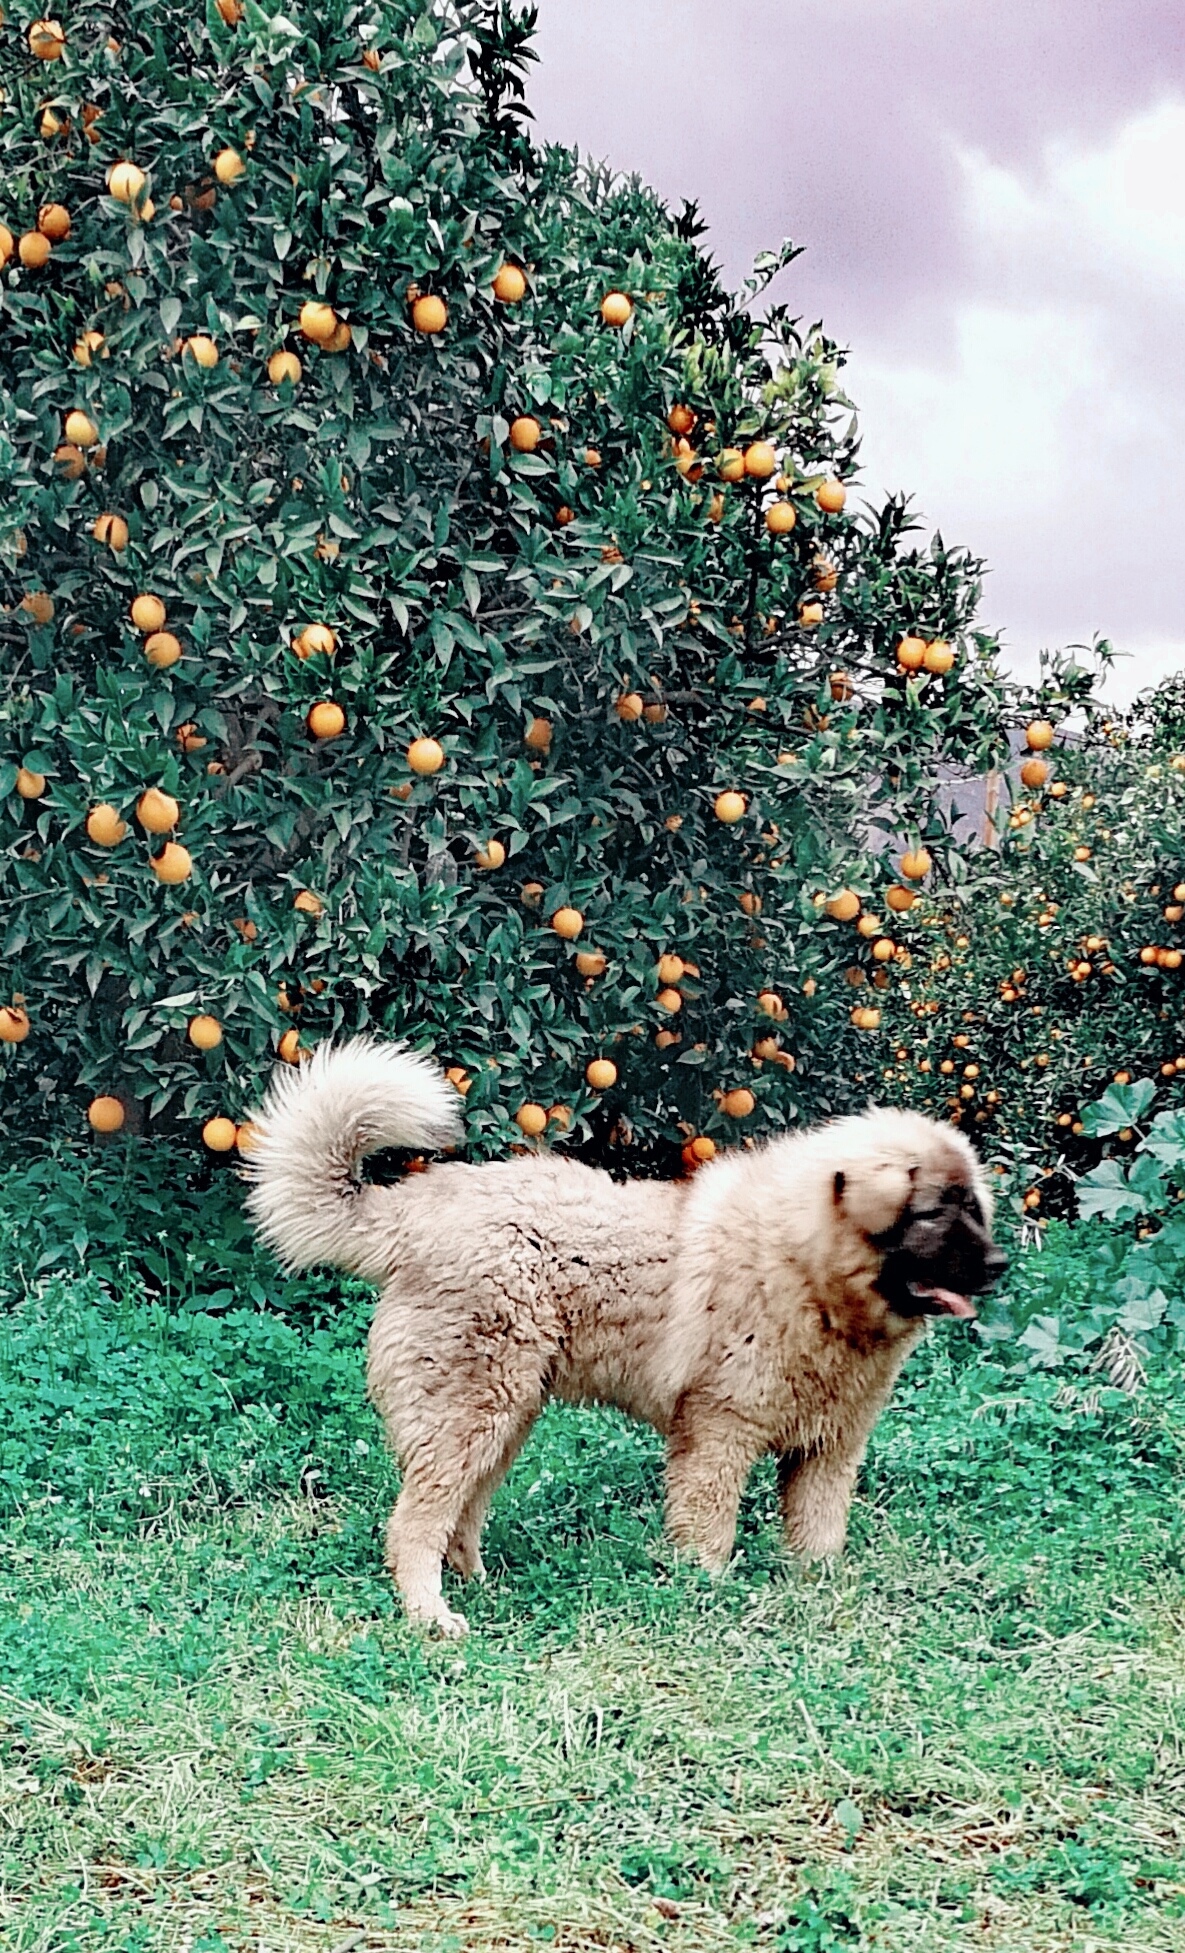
<point x="816" y="1494"/>
<point x="710" y="1455"/>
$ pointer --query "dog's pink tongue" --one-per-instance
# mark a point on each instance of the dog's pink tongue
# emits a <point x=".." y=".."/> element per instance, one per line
<point x="955" y="1305"/>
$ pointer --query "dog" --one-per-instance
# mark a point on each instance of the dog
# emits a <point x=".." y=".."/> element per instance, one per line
<point x="765" y="1305"/>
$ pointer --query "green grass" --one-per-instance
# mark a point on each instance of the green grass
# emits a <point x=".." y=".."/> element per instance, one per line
<point x="217" y="1732"/>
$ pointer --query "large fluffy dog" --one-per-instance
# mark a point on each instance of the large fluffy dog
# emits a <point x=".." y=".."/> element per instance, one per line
<point x="766" y="1306"/>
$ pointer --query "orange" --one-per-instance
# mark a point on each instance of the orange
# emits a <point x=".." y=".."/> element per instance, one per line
<point x="106" y="1114"/>
<point x="844" y="906"/>
<point x="104" y="826"/>
<point x="46" y="40"/>
<point x="531" y="1119"/>
<point x="670" y="1001"/>
<point x="559" y="1115"/>
<point x="228" y="167"/>
<point x="1039" y="735"/>
<point x="525" y="434"/>
<point x="372" y="59"/>
<point x="911" y="653"/>
<point x="125" y="182"/>
<point x="841" y="686"/>
<point x="429" y="314"/>
<point x="939" y="657"/>
<point x="530" y="894"/>
<point x="162" y="649"/>
<point x="147" y="612"/>
<point x="780" y="518"/>
<point x="219" y="1134"/>
<point x="616" y="308"/>
<point x="831" y="496"/>
<point x="826" y="574"/>
<point x="425" y="756"/>
<point x="7" y="245"/>
<point x="731" y="465"/>
<point x="1034" y="773"/>
<point x="205" y="1033"/>
<point x="538" y="735"/>
<point x="70" y="461"/>
<point x="738" y="1103"/>
<point x="201" y="348"/>
<point x="80" y="429"/>
<point x="760" y="460"/>
<point x="749" y="902"/>
<point x="899" y="899"/>
<point x="458" y="1076"/>
<point x="33" y="250"/>
<point x="702" y="1149"/>
<point x="317" y="321"/>
<point x="629" y="707"/>
<point x="810" y="615"/>
<point x="231" y="11"/>
<point x="84" y="348"/>
<point x="112" y="530"/>
<point x="172" y="864"/>
<point x="729" y="807"/>
<point x="283" y="366"/>
<point x="865" y="1017"/>
<point x="29" y="785"/>
<point x="307" y="902"/>
<point x="771" y="1004"/>
<point x="491" y="856"/>
<point x="670" y="968"/>
<point x="591" y="962"/>
<point x="601" y="1073"/>
<point x="567" y="923"/>
<point x="325" y="720"/>
<point x="510" y="284"/>
<point x="39" y="605"/>
<point x="654" y="714"/>
<point x="564" y="515"/>
<point x="157" y="812"/>
<point x="315" y="640"/>
<point x="592" y="457"/>
<point x="915" y="864"/>
<point x="14" y="1024"/>
<point x="289" y="1047"/>
<point x="681" y="419"/>
<point x="883" y="950"/>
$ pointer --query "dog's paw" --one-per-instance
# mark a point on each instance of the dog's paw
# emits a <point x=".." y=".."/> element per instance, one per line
<point x="440" y="1620"/>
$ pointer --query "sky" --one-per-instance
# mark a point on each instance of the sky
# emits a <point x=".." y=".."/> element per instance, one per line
<point x="991" y="197"/>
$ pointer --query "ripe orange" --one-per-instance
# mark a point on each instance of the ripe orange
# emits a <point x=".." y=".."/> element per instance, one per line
<point x="731" y="465"/>
<point x="112" y="530"/>
<point x="1039" y="735"/>
<point x="939" y="657"/>
<point x="201" y="348"/>
<point x="204" y="1033"/>
<point x="760" y="460"/>
<point x="531" y="1119"/>
<point x="317" y="321"/>
<point x="670" y="1001"/>
<point x="172" y="864"/>
<point x="844" y="905"/>
<point x="654" y="714"/>
<point x="289" y="1047"/>
<point x="39" y="605"/>
<point x="80" y="429"/>
<point x="702" y="1149"/>
<point x="1034" y="773"/>
<point x="738" y="1103"/>
<point x="771" y="1004"/>
<point x="831" y="496"/>
<point x="219" y="1134"/>
<point x="7" y="245"/>
<point x="125" y="182"/>
<point x="525" y="434"/>
<point x="899" y="899"/>
<point x="492" y="855"/>
<point x="325" y="720"/>
<point x="85" y="349"/>
<point x="616" y="308"/>
<point x="47" y="42"/>
<point x="104" y="826"/>
<point x="601" y="1073"/>
<point x="729" y="807"/>
<point x="538" y="735"/>
<point x="429" y="314"/>
<point x="883" y="950"/>
<point x="510" y="284"/>
<point x="915" y="864"/>
<point x="591" y="962"/>
<point x="841" y="687"/>
<point x="670" y="968"/>
<point x="157" y="812"/>
<point x="567" y="923"/>
<point x="162" y="649"/>
<point x="307" y="902"/>
<point x="70" y="461"/>
<point x="315" y="640"/>
<point x="681" y="419"/>
<point x="53" y="221"/>
<point x="810" y="615"/>
<point x="911" y="653"/>
<point x="106" y="1114"/>
<point x="716" y="508"/>
<point x="228" y="167"/>
<point x="14" y="1024"/>
<point x="564" y="515"/>
<point x="29" y="785"/>
<point x="147" y="612"/>
<point x="629" y="707"/>
<point x="283" y="366"/>
<point x="865" y="1017"/>
<point x="231" y="11"/>
<point x="780" y="518"/>
<point x="425" y="756"/>
<point x="592" y="457"/>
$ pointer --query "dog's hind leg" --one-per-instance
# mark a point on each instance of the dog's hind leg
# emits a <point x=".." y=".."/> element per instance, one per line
<point x="710" y="1455"/>
<point x="463" y="1552"/>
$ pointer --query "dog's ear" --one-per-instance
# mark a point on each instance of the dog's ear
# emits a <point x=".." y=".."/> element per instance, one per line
<point x="876" y="1193"/>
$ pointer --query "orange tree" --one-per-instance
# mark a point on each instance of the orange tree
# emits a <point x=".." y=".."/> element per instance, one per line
<point x="431" y="605"/>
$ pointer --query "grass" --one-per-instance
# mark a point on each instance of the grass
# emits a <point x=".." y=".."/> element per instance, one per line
<point x="217" y="1732"/>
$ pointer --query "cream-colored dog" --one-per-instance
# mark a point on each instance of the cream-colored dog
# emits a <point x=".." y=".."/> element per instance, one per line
<point x="767" y="1305"/>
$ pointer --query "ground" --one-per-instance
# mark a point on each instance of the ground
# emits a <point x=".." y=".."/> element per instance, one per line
<point x="217" y="1732"/>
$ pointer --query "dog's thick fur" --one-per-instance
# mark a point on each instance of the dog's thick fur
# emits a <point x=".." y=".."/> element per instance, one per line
<point x="767" y="1305"/>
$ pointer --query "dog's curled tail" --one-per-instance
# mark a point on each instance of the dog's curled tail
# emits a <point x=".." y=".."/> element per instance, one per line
<point x="316" y="1125"/>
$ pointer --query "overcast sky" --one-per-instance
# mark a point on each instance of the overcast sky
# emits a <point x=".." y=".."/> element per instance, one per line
<point x="991" y="194"/>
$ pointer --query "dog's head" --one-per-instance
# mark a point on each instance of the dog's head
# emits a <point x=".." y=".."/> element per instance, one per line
<point x="919" y="1198"/>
